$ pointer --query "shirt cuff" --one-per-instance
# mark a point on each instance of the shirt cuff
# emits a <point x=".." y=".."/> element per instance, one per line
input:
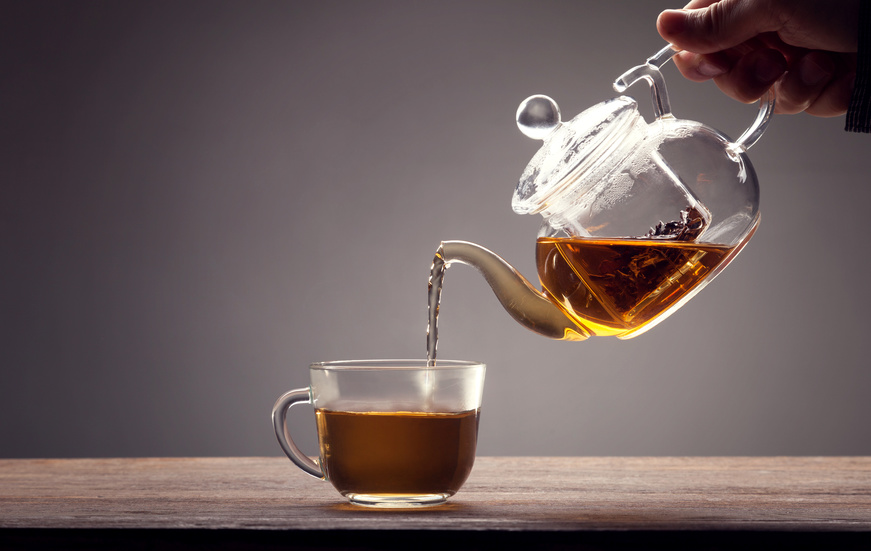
<point x="859" y="112"/>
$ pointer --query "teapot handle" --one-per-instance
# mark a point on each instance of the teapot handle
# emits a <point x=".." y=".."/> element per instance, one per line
<point x="662" y="109"/>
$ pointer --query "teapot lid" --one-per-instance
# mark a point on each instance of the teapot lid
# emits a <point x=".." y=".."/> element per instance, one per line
<point x="570" y="149"/>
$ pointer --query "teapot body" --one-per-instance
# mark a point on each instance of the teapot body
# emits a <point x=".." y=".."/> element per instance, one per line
<point x="637" y="217"/>
<point x="629" y="260"/>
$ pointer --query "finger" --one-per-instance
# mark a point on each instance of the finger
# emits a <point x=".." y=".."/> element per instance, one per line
<point x="696" y="4"/>
<point x="752" y="75"/>
<point x="806" y="79"/>
<point x="834" y="100"/>
<point x="699" y="68"/>
<point x="718" y="26"/>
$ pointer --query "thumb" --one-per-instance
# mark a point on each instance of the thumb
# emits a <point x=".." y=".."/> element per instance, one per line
<point x="717" y="27"/>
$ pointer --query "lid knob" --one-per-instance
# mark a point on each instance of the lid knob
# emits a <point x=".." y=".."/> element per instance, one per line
<point x="538" y="116"/>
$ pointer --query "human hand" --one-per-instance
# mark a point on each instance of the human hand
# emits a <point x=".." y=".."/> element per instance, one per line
<point x="806" y="49"/>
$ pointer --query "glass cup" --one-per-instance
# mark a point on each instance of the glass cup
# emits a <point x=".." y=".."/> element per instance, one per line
<point x="391" y="433"/>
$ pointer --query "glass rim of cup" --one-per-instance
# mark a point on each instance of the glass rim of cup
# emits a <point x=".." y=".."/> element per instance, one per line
<point x="392" y="364"/>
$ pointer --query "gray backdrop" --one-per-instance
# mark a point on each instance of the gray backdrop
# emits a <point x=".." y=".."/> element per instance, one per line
<point x="200" y="198"/>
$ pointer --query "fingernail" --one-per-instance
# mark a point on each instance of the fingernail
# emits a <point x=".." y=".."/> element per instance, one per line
<point x="768" y="70"/>
<point x="708" y="69"/>
<point x="812" y="73"/>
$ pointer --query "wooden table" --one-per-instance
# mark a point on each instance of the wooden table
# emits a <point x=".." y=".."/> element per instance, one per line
<point x="597" y="502"/>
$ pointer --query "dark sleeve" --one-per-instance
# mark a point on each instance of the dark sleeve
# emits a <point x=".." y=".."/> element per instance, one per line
<point x="859" y="112"/>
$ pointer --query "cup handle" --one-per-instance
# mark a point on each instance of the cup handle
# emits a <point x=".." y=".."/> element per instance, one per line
<point x="279" y="423"/>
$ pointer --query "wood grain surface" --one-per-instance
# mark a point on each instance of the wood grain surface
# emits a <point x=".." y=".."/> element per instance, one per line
<point x="811" y="494"/>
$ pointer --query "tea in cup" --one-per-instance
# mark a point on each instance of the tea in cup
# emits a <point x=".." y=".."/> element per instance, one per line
<point x="391" y="433"/>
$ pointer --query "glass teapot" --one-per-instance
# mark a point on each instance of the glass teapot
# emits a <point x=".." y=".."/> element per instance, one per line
<point x="638" y="217"/>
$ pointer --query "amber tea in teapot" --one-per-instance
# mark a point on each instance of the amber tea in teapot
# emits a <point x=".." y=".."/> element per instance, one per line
<point x="614" y="286"/>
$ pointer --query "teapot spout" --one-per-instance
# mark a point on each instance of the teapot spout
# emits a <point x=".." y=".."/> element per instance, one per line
<point x="528" y="306"/>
